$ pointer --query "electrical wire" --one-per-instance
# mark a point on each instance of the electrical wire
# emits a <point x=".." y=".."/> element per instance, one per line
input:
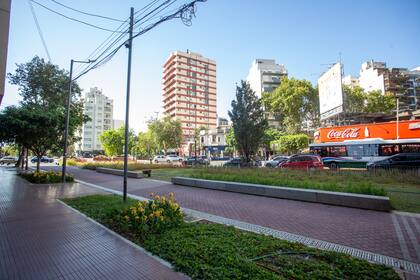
<point x="70" y="18"/>
<point x="39" y="30"/>
<point x="186" y="12"/>
<point x="81" y="68"/>
<point x="86" y="13"/>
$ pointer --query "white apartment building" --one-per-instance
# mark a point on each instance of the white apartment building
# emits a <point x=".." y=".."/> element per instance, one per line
<point x="213" y="140"/>
<point x="350" y="81"/>
<point x="117" y="124"/>
<point x="403" y="82"/>
<point x="372" y="76"/>
<point x="265" y="75"/>
<point x="99" y="108"/>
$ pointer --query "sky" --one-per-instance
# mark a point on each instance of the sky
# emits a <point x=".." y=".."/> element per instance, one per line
<point x="304" y="35"/>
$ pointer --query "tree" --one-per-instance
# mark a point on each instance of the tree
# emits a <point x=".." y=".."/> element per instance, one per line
<point x="44" y="90"/>
<point x="376" y="102"/>
<point x="146" y="144"/>
<point x="354" y="99"/>
<point x="231" y="142"/>
<point x="248" y="120"/>
<point x="32" y="127"/>
<point x="291" y="144"/>
<point x="113" y="141"/>
<point x="293" y="101"/>
<point x="167" y="132"/>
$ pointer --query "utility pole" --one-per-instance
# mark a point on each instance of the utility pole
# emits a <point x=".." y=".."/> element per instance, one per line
<point x="398" y="117"/>
<point x="66" y="129"/>
<point x="129" y="45"/>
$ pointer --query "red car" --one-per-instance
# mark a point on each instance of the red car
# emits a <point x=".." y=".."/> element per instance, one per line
<point x="303" y="162"/>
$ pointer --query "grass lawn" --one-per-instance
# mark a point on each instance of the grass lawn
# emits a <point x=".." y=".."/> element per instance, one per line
<point x="403" y="189"/>
<point x="211" y="251"/>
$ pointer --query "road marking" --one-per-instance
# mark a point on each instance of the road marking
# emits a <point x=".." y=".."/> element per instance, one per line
<point x="396" y="263"/>
<point x="400" y="236"/>
<point x="412" y="236"/>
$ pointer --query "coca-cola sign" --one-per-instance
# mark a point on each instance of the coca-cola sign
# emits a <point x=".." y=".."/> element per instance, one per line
<point x="348" y="133"/>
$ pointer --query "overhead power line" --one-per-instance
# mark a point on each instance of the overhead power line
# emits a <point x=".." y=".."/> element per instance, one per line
<point x="186" y="12"/>
<point x="86" y="13"/>
<point x="38" y="27"/>
<point x="73" y="19"/>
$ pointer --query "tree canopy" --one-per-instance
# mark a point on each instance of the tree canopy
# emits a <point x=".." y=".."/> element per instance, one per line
<point x="248" y="120"/>
<point x="167" y="132"/>
<point x="113" y="141"/>
<point x="293" y="101"/>
<point x="38" y="122"/>
<point x="290" y="144"/>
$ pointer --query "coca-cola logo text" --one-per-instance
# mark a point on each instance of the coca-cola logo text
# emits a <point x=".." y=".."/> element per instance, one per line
<point x="344" y="134"/>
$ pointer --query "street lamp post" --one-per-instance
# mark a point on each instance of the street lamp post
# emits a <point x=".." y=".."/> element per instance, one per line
<point x="398" y="117"/>
<point x="66" y="128"/>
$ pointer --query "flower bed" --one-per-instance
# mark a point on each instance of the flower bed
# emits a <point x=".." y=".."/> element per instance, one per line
<point x="212" y="251"/>
<point x="48" y="177"/>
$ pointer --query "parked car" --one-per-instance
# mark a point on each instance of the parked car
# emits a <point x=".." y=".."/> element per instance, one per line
<point x="276" y="161"/>
<point x="159" y="159"/>
<point x="241" y="162"/>
<point x="404" y="161"/>
<point x="303" y="162"/>
<point x="173" y="158"/>
<point x="43" y="159"/>
<point x="201" y="160"/>
<point x="8" y="160"/>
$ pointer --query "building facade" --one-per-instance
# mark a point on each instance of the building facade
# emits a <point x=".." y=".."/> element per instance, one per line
<point x="265" y="75"/>
<point x="404" y="83"/>
<point x="189" y="93"/>
<point x="213" y="140"/>
<point x="4" y="40"/>
<point x="117" y="124"/>
<point x="99" y="108"/>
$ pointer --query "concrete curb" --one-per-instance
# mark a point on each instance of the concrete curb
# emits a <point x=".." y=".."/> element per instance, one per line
<point x="370" y="202"/>
<point x="130" y="174"/>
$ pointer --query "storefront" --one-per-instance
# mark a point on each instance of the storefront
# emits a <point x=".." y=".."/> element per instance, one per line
<point x="384" y="131"/>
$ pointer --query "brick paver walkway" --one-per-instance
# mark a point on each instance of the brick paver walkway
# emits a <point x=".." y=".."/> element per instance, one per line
<point x="40" y="238"/>
<point x="389" y="234"/>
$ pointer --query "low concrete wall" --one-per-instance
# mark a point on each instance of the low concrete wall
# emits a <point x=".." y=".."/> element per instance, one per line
<point x="131" y="174"/>
<point x="371" y="202"/>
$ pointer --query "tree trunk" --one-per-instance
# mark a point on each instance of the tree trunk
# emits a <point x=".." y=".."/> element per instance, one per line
<point x="26" y="159"/>
<point x="38" y="162"/>
<point x="18" y="163"/>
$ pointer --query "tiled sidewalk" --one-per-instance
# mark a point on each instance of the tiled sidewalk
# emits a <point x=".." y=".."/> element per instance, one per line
<point x="40" y="238"/>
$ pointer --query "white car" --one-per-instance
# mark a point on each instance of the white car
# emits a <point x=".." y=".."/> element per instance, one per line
<point x="173" y="158"/>
<point x="159" y="159"/>
<point x="8" y="160"/>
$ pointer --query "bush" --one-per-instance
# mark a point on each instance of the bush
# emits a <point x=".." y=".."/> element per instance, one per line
<point x="148" y="217"/>
<point x="48" y="177"/>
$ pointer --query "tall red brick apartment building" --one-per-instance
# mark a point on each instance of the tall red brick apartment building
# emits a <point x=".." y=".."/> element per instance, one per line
<point x="189" y="93"/>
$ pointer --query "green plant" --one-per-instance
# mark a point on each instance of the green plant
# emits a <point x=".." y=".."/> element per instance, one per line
<point x="147" y="217"/>
<point x="48" y="177"/>
<point x="212" y="251"/>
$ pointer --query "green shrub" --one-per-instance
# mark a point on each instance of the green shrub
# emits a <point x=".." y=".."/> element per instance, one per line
<point x="48" y="177"/>
<point x="120" y="165"/>
<point x="148" y="217"/>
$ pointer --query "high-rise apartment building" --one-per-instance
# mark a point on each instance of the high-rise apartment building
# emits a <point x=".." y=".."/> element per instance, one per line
<point x="265" y="75"/>
<point x="189" y="92"/>
<point x="99" y="108"/>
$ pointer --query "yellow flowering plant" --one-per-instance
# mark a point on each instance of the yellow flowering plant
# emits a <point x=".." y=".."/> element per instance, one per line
<point x="153" y="216"/>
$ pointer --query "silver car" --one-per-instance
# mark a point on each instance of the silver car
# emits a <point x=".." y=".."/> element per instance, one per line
<point x="8" y="160"/>
<point x="276" y="161"/>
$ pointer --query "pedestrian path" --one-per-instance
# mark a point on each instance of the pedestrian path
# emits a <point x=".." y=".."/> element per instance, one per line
<point x="40" y="238"/>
